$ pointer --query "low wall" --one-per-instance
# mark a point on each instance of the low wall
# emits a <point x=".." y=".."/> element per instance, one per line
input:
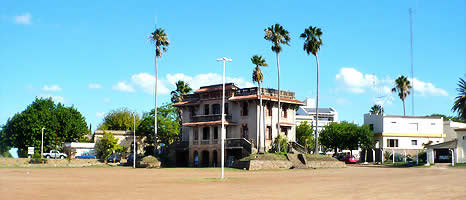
<point x="24" y="162"/>
<point x="262" y="164"/>
<point x="325" y="164"/>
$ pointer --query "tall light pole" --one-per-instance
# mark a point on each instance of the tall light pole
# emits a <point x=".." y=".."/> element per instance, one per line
<point x="42" y="144"/>
<point x="224" y="59"/>
<point x="134" y="141"/>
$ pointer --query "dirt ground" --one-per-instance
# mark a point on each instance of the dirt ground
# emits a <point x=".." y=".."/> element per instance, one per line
<point x="185" y="183"/>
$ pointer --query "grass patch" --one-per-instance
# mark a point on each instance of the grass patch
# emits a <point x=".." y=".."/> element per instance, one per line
<point x="459" y="165"/>
<point x="209" y="179"/>
<point x="266" y="156"/>
<point x="313" y="157"/>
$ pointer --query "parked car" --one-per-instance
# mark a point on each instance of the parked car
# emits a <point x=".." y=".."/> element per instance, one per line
<point x="114" y="158"/>
<point x="129" y="160"/>
<point x="86" y="156"/>
<point x="350" y="159"/>
<point x="55" y="154"/>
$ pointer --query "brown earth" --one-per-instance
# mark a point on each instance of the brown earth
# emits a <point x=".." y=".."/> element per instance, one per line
<point x="127" y="183"/>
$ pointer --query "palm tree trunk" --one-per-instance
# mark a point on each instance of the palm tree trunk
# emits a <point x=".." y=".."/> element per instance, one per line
<point x="404" y="111"/>
<point x="316" y="151"/>
<point x="263" y="124"/>
<point x="279" y="109"/>
<point x="155" y="110"/>
<point x="261" y="129"/>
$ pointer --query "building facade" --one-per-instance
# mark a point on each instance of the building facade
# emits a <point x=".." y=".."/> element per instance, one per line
<point x="201" y="122"/>
<point x="405" y="134"/>
<point x="125" y="139"/>
<point x="453" y="147"/>
<point x="307" y="113"/>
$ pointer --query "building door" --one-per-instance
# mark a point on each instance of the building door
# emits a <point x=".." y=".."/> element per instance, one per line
<point x="205" y="158"/>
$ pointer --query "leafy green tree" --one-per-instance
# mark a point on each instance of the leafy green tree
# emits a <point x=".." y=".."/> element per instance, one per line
<point x="258" y="77"/>
<point x="160" y="40"/>
<point x="182" y="88"/>
<point x="120" y="119"/>
<point x="62" y="124"/>
<point x="447" y="118"/>
<point x="312" y="43"/>
<point x="280" y="142"/>
<point x="346" y="135"/>
<point x="304" y="135"/>
<point x="107" y="145"/>
<point x="460" y="101"/>
<point x="376" y="110"/>
<point x="277" y="35"/>
<point x="168" y="129"/>
<point x="402" y="87"/>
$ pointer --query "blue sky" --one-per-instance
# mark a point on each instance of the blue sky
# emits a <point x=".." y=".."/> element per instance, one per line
<point x="96" y="56"/>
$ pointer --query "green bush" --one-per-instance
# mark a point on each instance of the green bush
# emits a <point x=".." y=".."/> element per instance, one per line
<point x="422" y="157"/>
<point x="36" y="159"/>
<point x="281" y="140"/>
<point x="387" y="155"/>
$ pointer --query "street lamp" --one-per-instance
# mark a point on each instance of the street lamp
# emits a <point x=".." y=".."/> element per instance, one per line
<point x="42" y="144"/>
<point x="224" y="59"/>
<point x="134" y="141"/>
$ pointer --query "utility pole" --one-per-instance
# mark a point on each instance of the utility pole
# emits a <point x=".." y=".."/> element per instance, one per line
<point x="412" y="62"/>
<point x="134" y="141"/>
<point x="42" y="144"/>
<point x="224" y="59"/>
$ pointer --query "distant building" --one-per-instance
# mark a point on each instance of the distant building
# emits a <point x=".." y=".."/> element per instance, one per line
<point x="125" y="139"/>
<point x="453" y="147"/>
<point x="79" y="148"/>
<point x="201" y="120"/>
<point x="404" y="133"/>
<point x="307" y="113"/>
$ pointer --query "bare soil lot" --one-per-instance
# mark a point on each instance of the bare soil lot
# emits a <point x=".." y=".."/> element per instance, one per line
<point x="127" y="183"/>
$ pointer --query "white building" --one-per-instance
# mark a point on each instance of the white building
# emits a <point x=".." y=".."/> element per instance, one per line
<point x="405" y="133"/>
<point x="453" y="147"/>
<point x="308" y="113"/>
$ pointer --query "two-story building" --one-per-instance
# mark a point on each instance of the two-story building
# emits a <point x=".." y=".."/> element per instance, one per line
<point x="201" y="122"/>
<point x="405" y="133"/>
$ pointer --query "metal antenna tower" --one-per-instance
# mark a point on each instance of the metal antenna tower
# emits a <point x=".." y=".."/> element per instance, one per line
<point x="412" y="64"/>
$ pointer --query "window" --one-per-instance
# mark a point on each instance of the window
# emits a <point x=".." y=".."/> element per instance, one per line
<point x="284" y="112"/>
<point x="269" y="133"/>
<point x="244" y="109"/>
<point x="196" y="134"/>
<point x="392" y="142"/>
<point x="433" y="124"/>
<point x="216" y="109"/>
<point x="414" y="142"/>
<point x="215" y="133"/>
<point x="464" y="137"/>
<point x="393" y="122"/>
<point x="206" y="109"/>
<point x="244" y="131"/>
<point x="284" y="131"/>
<point x="226" y="108"/>
<point x="371" y="126"/>
<point x="269" y="110"/>
<point x="206" y="133"/>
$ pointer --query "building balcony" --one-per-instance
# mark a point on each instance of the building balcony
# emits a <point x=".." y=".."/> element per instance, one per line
<point x="265" y="91"/>
<point x="208" y="118"/>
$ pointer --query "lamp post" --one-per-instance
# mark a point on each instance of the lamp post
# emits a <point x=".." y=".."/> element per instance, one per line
<point x="42" y="144"/>
<point x="134" y="141"/>
<point x="224" y="59"/>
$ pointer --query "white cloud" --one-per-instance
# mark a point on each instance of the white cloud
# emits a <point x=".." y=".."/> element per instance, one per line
<point x="123" y="87"/>
<point x="354" y="81"/>
<point x="57" y="99"/>
<point x="100" y="114"/>
<point x="107" y="100"/>
<point x="23" y="19"/>
<point x="425" y="89"/>
<point x="53" y="88"/>
<point x="147" y="83"/>
<point x="94" y="86"/>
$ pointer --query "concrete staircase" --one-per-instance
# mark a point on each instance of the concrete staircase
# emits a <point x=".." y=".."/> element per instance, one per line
<point x="298" y="161"/>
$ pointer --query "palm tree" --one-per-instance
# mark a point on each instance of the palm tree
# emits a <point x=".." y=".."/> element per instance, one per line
<point x="402" y="87"/>
<point x="182" y="88"/>
<point x="376" y="110"/>
<point x="258" y="77"/>
<point x="277" y="35"/>
<point x="460" y="100"/>
<point x="312" y="43"/>
<point x="160" y="40"/>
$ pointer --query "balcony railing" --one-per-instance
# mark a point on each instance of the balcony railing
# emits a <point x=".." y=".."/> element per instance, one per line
<point x="265" y="91"/>
<point x="208" y="118"/>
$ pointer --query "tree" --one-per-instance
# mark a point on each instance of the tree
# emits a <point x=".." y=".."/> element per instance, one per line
<point x="460" y="101"/>
<point x="258" y="77"/>
<point x="168" y="129"/>
<point x="119" y="119"/>
<point x="312" y="43"/>
<point x="160" y="40"/>
<point x="62" y="124"/>
<point x="277" y="35"/>
<point x="376" y="110"/>
<point x="330" y="136"/>
<point x="304" y="135"/>
<point x="402" y="87"/>
<point x="346" y="135"/>
<point x="447" y="118"/>
<point x="182" y="88"/>
<point x="106" y="146"/>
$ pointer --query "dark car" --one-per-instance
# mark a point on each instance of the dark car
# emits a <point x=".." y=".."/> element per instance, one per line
<point x="129" y="160"/>
<point x="114" y="158"/>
